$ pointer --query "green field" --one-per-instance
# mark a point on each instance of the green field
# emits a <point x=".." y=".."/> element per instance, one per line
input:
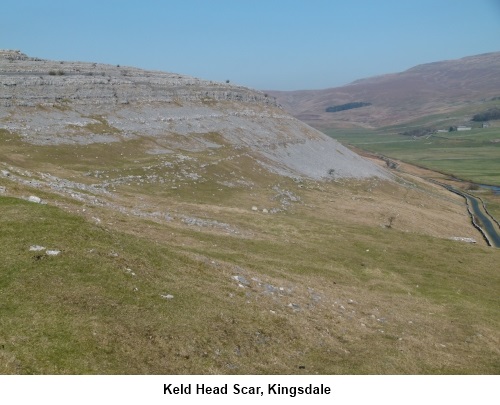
<point x="346" y="299"/>
<point x="469" y="155"/>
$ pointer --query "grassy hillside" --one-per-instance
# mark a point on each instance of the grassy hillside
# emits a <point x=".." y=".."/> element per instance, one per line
<point x="331" y="285"/>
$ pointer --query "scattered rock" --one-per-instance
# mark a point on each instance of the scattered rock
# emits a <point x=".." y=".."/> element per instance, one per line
<point x="285" y="197"/>
<point x="167" y="296"/>
<point x="208" y="223"/>
<point x="270" y="288"/>
<point x="241" y="280"/>
<point x="313" y="295"/>
<point x="265" y="211"/>
<point x="463" y="239"/>
<point x="49" y="252"/>
<point x="5" y="173"/>
<point x="2" y="189"/>
<point x="34" y="199"/>
<point x="254" y="208"/>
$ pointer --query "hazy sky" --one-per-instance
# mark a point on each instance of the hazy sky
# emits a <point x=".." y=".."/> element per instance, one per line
<point x="264" y="44"/>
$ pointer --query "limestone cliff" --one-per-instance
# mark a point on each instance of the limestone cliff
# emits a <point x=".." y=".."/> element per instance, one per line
<point x="50" y="102"/>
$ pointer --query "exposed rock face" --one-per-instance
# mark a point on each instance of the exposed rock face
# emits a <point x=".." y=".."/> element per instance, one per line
<point x="49" y="102"/>
<point x="31" y="82"/>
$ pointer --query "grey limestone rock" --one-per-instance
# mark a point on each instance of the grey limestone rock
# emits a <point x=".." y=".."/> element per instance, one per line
<point x="51" y="102"/>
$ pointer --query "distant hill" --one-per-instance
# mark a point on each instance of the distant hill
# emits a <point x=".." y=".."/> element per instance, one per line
<point x="432" y="88"/>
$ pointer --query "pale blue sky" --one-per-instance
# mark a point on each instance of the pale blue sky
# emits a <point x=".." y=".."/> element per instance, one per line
<point x="264" y="44"/>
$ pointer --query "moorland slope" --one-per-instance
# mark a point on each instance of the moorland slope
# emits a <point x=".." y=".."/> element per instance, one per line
<point x="432" y="88"/>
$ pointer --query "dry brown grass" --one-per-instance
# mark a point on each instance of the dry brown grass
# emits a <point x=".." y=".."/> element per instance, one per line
<point x="329" y="287"/>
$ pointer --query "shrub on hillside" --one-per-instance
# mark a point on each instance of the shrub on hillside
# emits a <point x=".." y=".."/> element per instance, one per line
<point x="348" y="106"/>
<point x="56" y="72"/>
<point x="491" y="114"/>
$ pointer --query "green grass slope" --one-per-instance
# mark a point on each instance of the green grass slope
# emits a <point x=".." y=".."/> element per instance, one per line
<point x="308" y="294"/>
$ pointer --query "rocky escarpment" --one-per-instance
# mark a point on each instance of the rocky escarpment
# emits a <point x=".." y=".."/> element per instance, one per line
<point x="32" y="81"/>
<point x="52" y="103"/>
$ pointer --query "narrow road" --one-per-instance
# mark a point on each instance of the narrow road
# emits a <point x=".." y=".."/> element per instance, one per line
<point x="480" y="217"/>
<point x="482" y="220"/>
<point x="485" y="221"/>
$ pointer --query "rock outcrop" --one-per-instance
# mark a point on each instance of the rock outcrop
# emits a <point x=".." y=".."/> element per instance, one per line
<point x="50" y="103"/>
<point x="32" y="81"/>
